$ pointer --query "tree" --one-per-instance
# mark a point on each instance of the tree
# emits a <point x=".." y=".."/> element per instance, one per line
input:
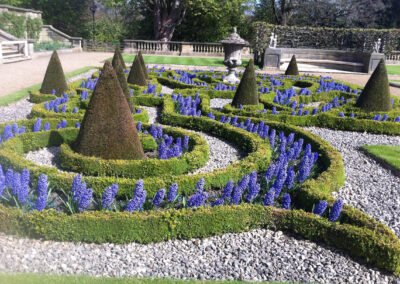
<point x="108" y="130"/>
<point x="292" y="69"/>
<point x="376" y="94"/>
<point x="247" y="91"/>
<point x="167" y="15"/>
<point x="54" y="79"/>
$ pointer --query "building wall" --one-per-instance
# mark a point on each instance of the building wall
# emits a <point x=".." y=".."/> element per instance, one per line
<point x="21" y="12"/>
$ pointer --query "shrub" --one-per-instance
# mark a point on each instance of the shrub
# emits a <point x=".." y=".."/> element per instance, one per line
<point x="376" y="95"/>
<point x="54" y="79"/>
<point x="247" y="92"/>
<point x="292" y="68"/>
<point x="136" y="75"/>
<point x="118" y="56"/>
<point x="108" y="130"/>
<point x="119" y="70"/>
<point x="141" y="60"/>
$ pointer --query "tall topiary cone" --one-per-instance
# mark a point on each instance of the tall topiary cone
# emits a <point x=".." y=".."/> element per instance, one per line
<point x="247" y="91"/>
<point x="108" y="130"/>
<point x="136" y="75"/>
<point x="376" y="94"/>
<point x="292" y="68"/>
<point x="118" y="55"/>
<point x="122" y="81"/>
<point x="54" y="78"/>
<point x="141" y="59"/>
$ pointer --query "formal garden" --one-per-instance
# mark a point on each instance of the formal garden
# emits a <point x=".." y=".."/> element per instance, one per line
<point x="159" y="158"/>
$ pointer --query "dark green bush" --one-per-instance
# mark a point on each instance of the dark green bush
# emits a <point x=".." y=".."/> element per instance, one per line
<point x="292" y="69"/>
<point x="54" y="78"/>
<point x="247" y="91"/>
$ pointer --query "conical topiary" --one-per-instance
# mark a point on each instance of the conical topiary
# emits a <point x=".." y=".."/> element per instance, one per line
<point x="108" y="130"/>
<point x="54" y="78"/>
<point x="376" y="94"/>
<point x="247" y="91"/>
<point x="292" y="68"/>
<point x="122" y="81"/>
<point x="136" y="75"/>
<point x="141" y="59"/>
<point x="117" y="54"/>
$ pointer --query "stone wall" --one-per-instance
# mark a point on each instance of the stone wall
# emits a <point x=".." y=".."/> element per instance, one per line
<point x="325" y="38"/>
<point x="29" y="13"/>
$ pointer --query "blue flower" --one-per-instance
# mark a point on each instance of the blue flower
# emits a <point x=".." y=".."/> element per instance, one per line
<point x="108" y="197"/>
<point x="200" y="184"/>
<point x="139" y="198"/>
<point x="38" y="125"/>
<point x="254" y="190"/>
<point x="269" y="198"/>
<point x="228" y="189"/>
<point x="286" y="201"/>
<point x="9" y="178"/>
<point x="218" y="202"/>
<point x="334" y="214"/>
<point x="320" y="207"/>
<point x="198" y="199"/>
<point x="290" y="178"/>
<point x="42" y="193"/>
<point x="159" y="197"/>
<point x="173" y="192"/>
<point x="2" y="181"/>
<point x="46" y="126"/>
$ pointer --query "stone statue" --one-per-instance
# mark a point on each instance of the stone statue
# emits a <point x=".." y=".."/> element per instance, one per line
<point x="377" y="46"/>
<point x="273" y="40"/>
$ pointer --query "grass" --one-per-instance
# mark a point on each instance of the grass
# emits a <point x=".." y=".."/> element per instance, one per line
<point x="180" y="60"/>
<point x="393" y="69"/>
<point x="389" y="155"/>
<point x="43" y="279"/>
<point x="16" y="96"/>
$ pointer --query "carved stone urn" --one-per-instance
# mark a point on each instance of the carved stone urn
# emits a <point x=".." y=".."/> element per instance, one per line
<point x="233" y="46"/>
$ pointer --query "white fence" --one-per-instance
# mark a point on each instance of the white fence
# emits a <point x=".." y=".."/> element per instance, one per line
<point x="10" y="50"/>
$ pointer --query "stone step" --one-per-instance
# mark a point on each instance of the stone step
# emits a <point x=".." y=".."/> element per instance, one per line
<point x="16" y="59"/>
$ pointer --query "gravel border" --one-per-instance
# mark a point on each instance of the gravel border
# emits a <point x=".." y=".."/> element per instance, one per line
<point x="255" y="255"/>
<point x="369" y="187"/>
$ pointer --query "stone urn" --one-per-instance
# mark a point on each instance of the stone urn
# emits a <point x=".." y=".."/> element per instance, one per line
<point x="233" y="46"/>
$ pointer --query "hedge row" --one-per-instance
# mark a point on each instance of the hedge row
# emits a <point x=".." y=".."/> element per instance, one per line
<point x="258" y="158"/>
<point x="156" y="226"/>
<point x="92" y="166"/>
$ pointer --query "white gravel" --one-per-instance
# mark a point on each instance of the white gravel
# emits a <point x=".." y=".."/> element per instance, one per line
<point x="256" y="255"/>
<point x="44" y="156"/>
<point x="219" y="103"/>
<point x="369" y="187"/>
<point x="16" y="111"/>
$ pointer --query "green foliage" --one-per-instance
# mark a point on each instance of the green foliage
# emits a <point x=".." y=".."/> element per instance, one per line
<point x="247" y="91"/>
<point x="152" y="167"/>
<point x="119" y="70"/>
<point x="292" y="68"/>
<point x="136" y="75"/>
<point x="54" y="78"/>
<point x="106" y="30"/>
<point x="50" y="45"/>
<point x="388" y="155"/>
<point x="376" y="94"/>
<point x="141" y="60"/>
<point x="118" y="57"/>
<point x="107" y="130"/>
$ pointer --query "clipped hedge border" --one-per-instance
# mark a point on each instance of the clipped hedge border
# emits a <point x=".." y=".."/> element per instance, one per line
<point x="92" y="166"/>
<point x="121" y="227"/>
<point x="257" y="160"/>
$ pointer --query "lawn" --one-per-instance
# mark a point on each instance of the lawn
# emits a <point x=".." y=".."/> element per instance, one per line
<point x="180" y="60"/>
<point x="16" y="96"/>
<point x="393" y="69"/>
<point x="42" y="279"/>
<point x="389" y="155"/>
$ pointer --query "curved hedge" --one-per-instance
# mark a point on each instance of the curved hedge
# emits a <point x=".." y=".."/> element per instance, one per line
<point x="92" y="166"/>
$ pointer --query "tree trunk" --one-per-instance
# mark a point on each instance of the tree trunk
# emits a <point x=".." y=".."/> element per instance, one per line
<point x="168" y="14"/>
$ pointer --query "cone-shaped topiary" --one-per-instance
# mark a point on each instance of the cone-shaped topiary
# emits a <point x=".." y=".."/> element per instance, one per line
<point x="54" y="78"/>
<point x="247" y="91"/>
<point x="292" y="68"/>
<point x="143" y="64"/>
<point x="122" y="81"/>
<point x="108" y="130"/>
<point x="376" y="94"/>
<point x="136" y="75"/>
<point x="117" y="54"/>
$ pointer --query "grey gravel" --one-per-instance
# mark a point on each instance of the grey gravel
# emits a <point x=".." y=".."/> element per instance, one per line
<point x="219" y="103"/>
<point x="167" y="91"/>
<point x="44" y="156"/>
<point x="255" y="255"/>
<point x="16" y="111"/>
<point x="369" y="187"/>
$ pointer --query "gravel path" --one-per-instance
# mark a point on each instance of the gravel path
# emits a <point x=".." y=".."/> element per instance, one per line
<point x="219" y="103"/>
<point x="256" y="255"/>
<point x="369" y="187"/>
<point x="16" y="111"/>
<point x="44" y="157"/>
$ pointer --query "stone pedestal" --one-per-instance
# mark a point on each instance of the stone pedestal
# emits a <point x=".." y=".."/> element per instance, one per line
<point x="374" y="61"/>
<point x="272" y="58"/>
<point x="231" y="78"/>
